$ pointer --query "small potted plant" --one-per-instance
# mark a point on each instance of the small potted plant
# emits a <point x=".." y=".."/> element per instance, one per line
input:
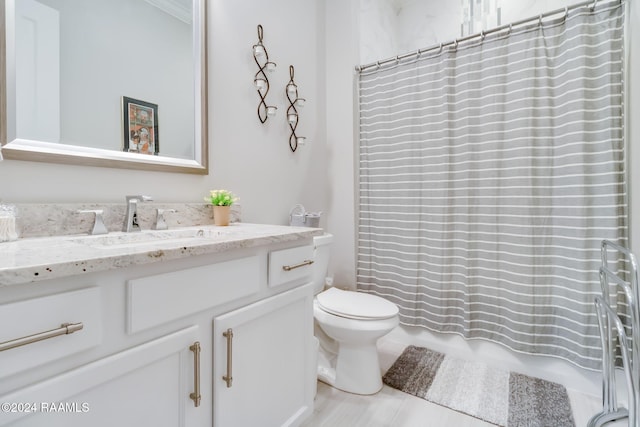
<point x="221" y="200"/>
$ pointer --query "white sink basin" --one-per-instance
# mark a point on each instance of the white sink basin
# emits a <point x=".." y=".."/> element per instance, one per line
<point x="150" y="237"/>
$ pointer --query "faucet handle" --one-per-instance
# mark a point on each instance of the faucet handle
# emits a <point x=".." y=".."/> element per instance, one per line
<point x="160" y="222"/>
<point x="98" y="224"/>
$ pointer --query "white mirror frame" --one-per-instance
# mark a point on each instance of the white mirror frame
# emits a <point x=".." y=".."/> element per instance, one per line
<point x="40" y="151"/>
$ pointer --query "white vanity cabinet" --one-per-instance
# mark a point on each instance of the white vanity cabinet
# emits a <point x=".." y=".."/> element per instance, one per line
<point x="144" y="385"/>
<point x="135" y="362"/>
<point x="262" y="363"/>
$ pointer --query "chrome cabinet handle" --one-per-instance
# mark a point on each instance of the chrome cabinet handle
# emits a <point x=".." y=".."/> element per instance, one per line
<point x="229" y="377"/>
<point x="64" y="329"/>
<point x="302" y="264"/>
<point x="195" y="396"/>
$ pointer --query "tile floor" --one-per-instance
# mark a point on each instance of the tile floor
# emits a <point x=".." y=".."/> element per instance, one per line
<point x="391" y="407"/>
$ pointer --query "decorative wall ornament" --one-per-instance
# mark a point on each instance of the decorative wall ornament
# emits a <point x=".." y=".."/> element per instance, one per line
<point x="292" y="112"/>
<point x="261" y="82"/>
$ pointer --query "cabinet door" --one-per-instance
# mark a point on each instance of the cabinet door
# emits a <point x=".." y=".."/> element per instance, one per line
<point x="270" y="359"/>
<point x="148" y="385"/>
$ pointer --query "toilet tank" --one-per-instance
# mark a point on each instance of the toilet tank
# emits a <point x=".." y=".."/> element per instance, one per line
<point x="322" y="245"/>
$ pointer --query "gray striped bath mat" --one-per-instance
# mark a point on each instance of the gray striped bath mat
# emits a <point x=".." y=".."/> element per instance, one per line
<point x="493" y="395"/>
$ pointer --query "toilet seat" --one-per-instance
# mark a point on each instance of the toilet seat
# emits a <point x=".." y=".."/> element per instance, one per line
<point x="355" y="305"/>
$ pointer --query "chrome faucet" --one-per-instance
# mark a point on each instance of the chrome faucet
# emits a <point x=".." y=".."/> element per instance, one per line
<point x="131" y="215"/>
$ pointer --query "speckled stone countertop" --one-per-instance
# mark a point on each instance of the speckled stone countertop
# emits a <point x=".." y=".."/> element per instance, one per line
<point x="41" y="258"/>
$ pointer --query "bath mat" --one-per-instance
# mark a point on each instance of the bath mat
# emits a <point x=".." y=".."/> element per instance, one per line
<point x="493" y="395"/>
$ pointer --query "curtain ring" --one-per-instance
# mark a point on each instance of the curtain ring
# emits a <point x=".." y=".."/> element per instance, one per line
<point x="418" y="53"/>
<point x="455" y="44"/>
<point x="377" y="65"/>
<point x="510" y="29"/>
<point x="595" y="2"/>
<point x="397" y="58"/>
<point x="566" y="13"/>
<point x="440" y="48"/>
<point x="540" y="20"/>
<point x="482" y="35"/>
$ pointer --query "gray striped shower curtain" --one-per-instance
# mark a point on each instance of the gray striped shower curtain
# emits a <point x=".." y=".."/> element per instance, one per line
<point x="488" y="175"/>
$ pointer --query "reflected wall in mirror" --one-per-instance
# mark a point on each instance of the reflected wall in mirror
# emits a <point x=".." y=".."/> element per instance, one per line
<point x="70" y="64"/>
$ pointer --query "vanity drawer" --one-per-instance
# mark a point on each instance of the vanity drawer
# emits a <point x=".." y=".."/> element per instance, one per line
<point x="39" y="315"/>
<point x="290" y="265"/>
<point x="158" y="299"/>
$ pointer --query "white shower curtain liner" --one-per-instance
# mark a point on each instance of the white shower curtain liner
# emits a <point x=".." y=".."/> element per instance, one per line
<point x="488" y="175"/>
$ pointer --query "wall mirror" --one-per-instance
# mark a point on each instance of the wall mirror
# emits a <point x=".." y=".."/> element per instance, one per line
<point x="113" y="83"/>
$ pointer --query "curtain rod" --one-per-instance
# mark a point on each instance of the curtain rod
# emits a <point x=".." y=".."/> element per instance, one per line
<point x="481" y="34"/>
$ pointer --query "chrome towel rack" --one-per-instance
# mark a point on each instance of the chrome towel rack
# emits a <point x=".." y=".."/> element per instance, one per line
<point x="614" y="333"/>
<point x="64" y="329"/>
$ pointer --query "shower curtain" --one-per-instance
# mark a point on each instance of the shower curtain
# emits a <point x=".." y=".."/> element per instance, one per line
<point x="489" y="172"/>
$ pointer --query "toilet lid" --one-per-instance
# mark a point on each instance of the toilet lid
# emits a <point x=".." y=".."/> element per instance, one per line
<point x="355" y="305"/>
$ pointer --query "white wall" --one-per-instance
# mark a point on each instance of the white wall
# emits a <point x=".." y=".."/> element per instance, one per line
<point x="376" y="30"/>
<point x="341" y="56"/>
<point x="253" y="159"/>
<point x="249" y="158"/>
<point x="392" y="27"/>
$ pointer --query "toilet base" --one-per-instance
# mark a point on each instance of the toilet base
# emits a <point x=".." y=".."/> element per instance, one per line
<point x="355" y="369"/>
<point x="348" y="358"/>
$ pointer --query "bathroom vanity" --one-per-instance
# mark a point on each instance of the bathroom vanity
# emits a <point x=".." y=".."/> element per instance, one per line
<point x="199" y="326"/>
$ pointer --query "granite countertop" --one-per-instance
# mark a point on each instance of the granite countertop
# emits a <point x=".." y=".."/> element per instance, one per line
<point x="35" y="259"/>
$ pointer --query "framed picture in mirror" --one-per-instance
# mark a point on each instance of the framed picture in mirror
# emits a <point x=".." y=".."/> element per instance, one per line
<point x="140" y="124"/>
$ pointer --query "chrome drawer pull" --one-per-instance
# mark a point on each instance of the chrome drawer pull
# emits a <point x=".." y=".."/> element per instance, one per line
<point x="302" y="264"/>
<point x="229" y="377"/>
<point x="64" y="329"/>
<point x="195" y="396"/>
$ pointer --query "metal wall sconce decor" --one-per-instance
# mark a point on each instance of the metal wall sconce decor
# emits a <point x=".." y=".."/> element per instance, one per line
<point x="292" y="112"/>
<point x="260" y="80"/>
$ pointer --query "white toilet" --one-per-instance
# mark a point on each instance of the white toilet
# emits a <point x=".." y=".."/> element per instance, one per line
<point x="348" y="324"/>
